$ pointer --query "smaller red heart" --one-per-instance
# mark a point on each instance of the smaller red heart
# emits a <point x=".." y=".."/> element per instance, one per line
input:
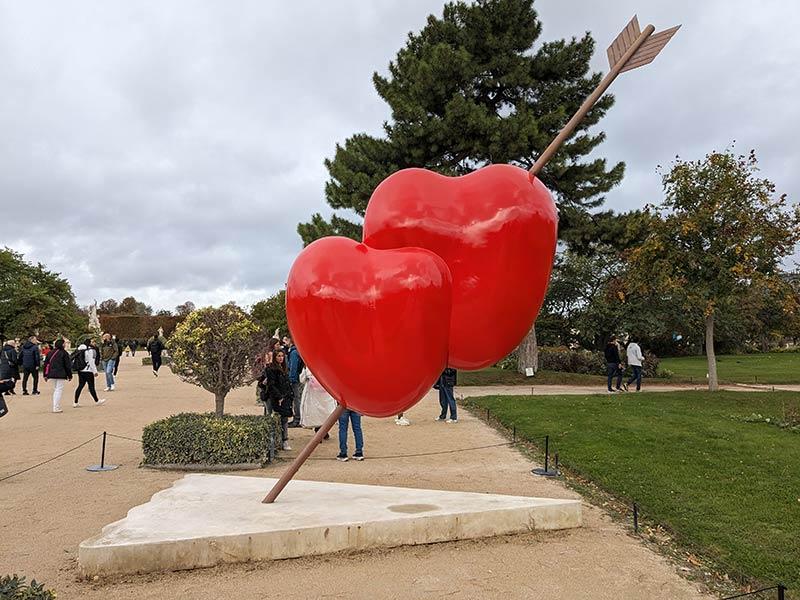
<point x="372" y="325"/>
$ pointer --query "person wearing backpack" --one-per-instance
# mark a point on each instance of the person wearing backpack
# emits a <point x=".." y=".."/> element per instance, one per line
<point x="58" y="368"/>
<point x="10" y="353"/>
<point x="30" y="359"/>
<point x="83" y="363"/>
<point x="155" y="347"/>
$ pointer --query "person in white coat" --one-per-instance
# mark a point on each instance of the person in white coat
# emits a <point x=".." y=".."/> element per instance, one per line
<point x="316" y="404"/>
<point x="86" y="365"/>
<point x="635" y="359"/>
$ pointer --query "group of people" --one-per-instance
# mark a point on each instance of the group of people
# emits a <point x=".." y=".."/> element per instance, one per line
<point x="615" y="368"/>
<point x="59" y="364"/>
<point x="290" y="390"/>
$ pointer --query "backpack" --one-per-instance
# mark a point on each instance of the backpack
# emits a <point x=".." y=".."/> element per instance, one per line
<point x="78" y="360"/>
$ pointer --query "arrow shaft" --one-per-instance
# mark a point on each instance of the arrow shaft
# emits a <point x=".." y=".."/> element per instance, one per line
<point x="589" y="102"/>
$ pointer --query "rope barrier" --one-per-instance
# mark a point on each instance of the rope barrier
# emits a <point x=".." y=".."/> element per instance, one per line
<point x="51" y="459"/>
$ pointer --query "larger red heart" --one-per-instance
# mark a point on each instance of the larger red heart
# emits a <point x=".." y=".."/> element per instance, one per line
<point x="372" y="325"/>
<point x="495" y="228"/>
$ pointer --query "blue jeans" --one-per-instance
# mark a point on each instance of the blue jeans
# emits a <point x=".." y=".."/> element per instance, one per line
<point x="447" y="400"/>
<point x="354" y="418"/>
<point x="108" y="367"/>
<point x="637" y="377"/>
<point x="614" y="370"/>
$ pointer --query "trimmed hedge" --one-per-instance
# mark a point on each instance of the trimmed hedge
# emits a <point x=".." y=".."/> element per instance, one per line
<point x="589" y="362"/>
<point x="138" y="327"/>
<point x="166" y="359"/>
<point x="204" y="439"/>
<point x="14" y="588"/>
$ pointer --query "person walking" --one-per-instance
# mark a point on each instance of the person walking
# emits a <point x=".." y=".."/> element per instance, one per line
<point x="353" y="418"/>
<point x="84" y="364"/>
<point x="635" y="360"/>
<point x="155" y="347"/>
<point x="275" y="380"/>
<point x="317" y="404"/>
<point x="447" y="399"/>
<point x="10" y="352"/>
<point x="613" y="364"/>
<point x="120" y="346"/>
<point x="57" y="367"/>
<point x="134" y="346"/>
<point x="295" y="363"/>
<point x="7" y="383"/>
<point x="30" y="359"/>
<point x="108" y="358"/>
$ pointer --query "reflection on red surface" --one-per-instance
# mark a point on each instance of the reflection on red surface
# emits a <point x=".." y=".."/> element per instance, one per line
<point x="496" y="230"/>
<point x="372" y="325"/>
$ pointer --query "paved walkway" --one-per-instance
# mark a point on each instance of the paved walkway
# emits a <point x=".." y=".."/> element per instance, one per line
<point x="46" y="512"/>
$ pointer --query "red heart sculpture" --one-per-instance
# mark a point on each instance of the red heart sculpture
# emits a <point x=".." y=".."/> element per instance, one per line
<point x="372" y="325"/>
<point x="495" y="228"/>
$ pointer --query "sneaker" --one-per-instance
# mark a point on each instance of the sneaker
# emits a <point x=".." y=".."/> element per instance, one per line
<point x="440" y="419"/>
<point x="358" y="456"/>
<point x="625" y="386"/>
<point x="108" y="389"/>
<point x="342" y="458"/>
<point x="25" y="393"/>
<point x="57" y="410"/>
<point x="293" y="424"/>
<point x="155" y="373"/>
<point x="101" y="401"/>
<point x="75" y="405"/>
<point x="112" y="388"/>
<point x="451" y="421"/>
<point x="36" y="393"/>
<point x="402" y="421"/>
<point x="286" y="446"/>
<point x="611" y="391"/>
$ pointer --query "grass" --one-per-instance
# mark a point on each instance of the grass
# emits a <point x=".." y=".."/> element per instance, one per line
<point x="775" y="367"/>
<point x="497" y="376"/>
<point x="726" y="488"/>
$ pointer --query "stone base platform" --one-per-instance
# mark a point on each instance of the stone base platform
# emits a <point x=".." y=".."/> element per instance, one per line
<point x="206" y="520"/>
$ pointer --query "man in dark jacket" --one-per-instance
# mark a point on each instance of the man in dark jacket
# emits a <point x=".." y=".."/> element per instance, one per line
<point x="10" y="353"/>
<point x="155" y="347"/>
<point x="31" y="360"/>
<point x="447" y="399"/>
<point x="613" y="364"/>
<point x="7" y="382"/>
<point x="295" y="363"/>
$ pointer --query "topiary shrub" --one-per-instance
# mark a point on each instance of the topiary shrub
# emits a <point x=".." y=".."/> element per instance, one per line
<point x="14" y="588"/>
<point x="205" y="439"/>
<point x="650" y="364"/>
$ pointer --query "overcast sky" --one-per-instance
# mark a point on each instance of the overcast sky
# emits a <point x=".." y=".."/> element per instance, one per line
<point x="167" y="150"/>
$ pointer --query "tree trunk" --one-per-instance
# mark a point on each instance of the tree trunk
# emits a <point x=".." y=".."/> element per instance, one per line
<point x="713" y="385"/>
<point x="528" y="352"/>
<point x="219" y="400"/>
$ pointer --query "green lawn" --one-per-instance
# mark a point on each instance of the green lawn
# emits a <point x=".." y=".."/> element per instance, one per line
<point x="496" y="376"/>
<point x="777" y="367"/>
<point x="726" y="488"/>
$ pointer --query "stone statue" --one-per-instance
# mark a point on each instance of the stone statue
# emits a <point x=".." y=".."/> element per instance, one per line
<point x="94" y="321"/>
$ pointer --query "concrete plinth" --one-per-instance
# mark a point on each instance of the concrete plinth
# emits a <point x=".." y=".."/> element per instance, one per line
<point x="205" y="520"/>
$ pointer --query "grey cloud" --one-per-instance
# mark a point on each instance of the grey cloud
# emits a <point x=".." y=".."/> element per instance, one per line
<point x="173" y="147"/>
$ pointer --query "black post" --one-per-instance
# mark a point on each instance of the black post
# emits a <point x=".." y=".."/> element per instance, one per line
<point x="514" y="435"/>
<point x="781" y="592"/>
<point x="487" y="413"/>
<point x="635" y="517"/>
<point x="546" y="453"/>
<point x="103" y="452"/>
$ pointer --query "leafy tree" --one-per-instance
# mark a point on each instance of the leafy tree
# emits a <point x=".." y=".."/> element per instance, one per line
<point x="164" y="312"/>
<point x="108" y="307"/>
<point x="719" y="231"/>
<point x="33" y="299"/>
<point x="184" y="309"/>
<point x="131" y="306"/>
<point x="473" y="88"/>
<point x="214" y="348"/>
<point x="271" y="313"/>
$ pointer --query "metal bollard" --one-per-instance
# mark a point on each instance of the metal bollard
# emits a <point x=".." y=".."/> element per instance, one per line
<point x="102" y="466"/>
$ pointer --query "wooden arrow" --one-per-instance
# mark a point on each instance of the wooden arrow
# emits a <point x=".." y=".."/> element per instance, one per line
<point x="632" y="48"/>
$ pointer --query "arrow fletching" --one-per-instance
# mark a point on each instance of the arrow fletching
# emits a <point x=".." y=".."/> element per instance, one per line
<point x="646" y="52"/>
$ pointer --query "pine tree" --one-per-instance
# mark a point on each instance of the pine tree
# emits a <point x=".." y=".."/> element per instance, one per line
<point x="472" y="88"/>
